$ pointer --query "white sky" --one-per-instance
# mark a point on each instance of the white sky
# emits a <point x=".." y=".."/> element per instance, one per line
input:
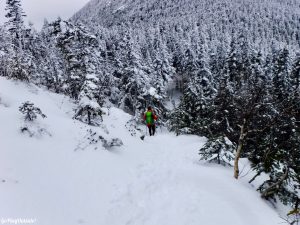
<point x="38" y="10"/>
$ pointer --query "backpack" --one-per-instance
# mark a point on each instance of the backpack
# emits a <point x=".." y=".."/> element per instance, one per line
<point x="150" y="117"/>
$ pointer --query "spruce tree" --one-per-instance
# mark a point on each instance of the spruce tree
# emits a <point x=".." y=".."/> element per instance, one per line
<point x="219" y="150"/>
<point x="76" y="45"/>
<point x="15" y="23"/>
<point x="295" y="74"/>
<point x="18" y="61"/>
<point x="206" y="94"/>
<point x="51" y="61"/>
<point x="90" y="103"/>
<point x="281" y="75"/>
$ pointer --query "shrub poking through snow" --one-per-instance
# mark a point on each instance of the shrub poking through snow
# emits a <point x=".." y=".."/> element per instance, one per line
<point x="30" y="111"/>
<point x="30" y="115"/>
<point x="94" y="138"/>
<point x="219" y="150"/>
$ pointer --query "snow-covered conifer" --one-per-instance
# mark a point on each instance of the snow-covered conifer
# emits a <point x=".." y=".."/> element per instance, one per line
<point x="281" y="74"/>
<point x="18" y="61"/>
<point x="219" y="150"/>
<point x="30" y="111"/>
<point x="89" y="105"/>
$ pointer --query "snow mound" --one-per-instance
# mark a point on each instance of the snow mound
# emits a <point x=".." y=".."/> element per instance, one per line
<point x="67" y="179"/>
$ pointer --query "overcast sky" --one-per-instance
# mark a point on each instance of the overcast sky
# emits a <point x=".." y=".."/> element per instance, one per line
<point x="37" y="10"/>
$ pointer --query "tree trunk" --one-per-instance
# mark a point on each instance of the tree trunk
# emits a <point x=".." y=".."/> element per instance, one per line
<point x="239" y="150"/>
<point x="89" y="117"/>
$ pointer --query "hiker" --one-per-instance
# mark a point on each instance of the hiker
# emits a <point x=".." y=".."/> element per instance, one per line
<point x="150" y="119"/>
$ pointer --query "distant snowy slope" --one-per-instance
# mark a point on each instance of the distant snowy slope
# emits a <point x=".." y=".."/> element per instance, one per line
<point x="264" y="22"/>
<point x="114" y="12"/>
<point x="57" y="178"/>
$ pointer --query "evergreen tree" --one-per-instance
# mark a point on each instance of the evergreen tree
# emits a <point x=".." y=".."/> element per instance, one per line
<point x="277" y="154"/>
<point x="295" y="74"/>
<point x="15" y="24"/>
<point x="218" y="150"/>
<point x="179" y="118"/>
<point x="197" y="97"/>
<point x="281" y="75"/>
<point x="4" y="49"/>
<point x="206" y="93"/>
<point x="51" y="61"/>
<point x="77" y="46"/>
<point x="30" y="111"/>
<point x="240" y="108"/>
<point x="190" y="91"/>
<point x="18" y="61"/>
<point x="90" y="103"/>
<point x="132" y="78"/>
<point x="232" y="65"/>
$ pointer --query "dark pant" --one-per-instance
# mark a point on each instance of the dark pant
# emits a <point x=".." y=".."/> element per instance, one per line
<point x="151" y="128"/>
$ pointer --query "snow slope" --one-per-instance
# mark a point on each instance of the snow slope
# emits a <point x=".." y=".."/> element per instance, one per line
<point x="58" y="179"/>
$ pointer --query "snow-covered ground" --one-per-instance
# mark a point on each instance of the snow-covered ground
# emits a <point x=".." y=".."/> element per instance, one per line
<point x="58" y="179"/>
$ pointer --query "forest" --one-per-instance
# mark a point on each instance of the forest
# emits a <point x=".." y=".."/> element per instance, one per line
<point x="226" y="70"/>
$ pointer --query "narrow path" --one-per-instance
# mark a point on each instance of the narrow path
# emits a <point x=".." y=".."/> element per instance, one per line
<point x="169" y="186"/>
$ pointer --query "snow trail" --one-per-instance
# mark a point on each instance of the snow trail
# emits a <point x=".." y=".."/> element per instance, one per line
<point x="170" y="186"/>
<point x="155" y="181"/>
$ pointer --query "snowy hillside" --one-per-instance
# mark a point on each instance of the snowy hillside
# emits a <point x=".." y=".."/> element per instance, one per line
<point x="263" y="22"/>
<point x="56" y="177"/>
